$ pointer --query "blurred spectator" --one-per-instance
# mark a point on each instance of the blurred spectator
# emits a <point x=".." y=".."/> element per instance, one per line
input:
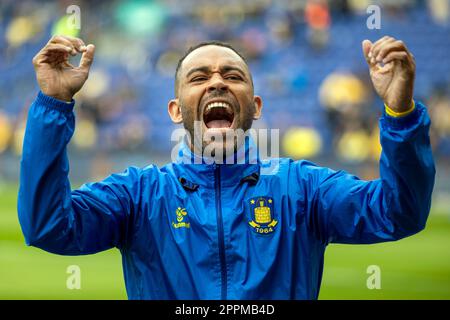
<point x="343" y="95"/>
<point x="5" y="132"/>
<point x="341" y="91"/>
<point x="440" y="10"/>
<point x="351" y="120"/>
<point x="439" y="109"/>
<point x="318" y="19"/>
<point x="302" y="143"/>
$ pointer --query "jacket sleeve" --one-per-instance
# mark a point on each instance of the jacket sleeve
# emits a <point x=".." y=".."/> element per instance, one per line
<point x="54" y="218"/>
<point x="344" y="209"/>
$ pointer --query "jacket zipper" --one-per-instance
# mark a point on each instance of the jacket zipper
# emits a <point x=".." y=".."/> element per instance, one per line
<point x="223" y="266"/>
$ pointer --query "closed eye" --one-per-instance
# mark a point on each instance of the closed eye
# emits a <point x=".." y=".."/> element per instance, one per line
<point x="234" y="77"/>
<point x="199" y="78"/>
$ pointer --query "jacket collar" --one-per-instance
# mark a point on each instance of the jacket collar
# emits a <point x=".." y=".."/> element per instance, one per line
<point x="194" y="169"/>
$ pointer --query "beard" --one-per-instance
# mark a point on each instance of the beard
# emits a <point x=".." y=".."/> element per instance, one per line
<point x="217" y="147"/>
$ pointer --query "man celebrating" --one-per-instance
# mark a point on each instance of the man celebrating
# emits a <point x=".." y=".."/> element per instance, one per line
<point x="197" y="229"/>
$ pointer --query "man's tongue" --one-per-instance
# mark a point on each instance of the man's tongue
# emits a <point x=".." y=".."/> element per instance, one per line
<point x="218" y="124"/>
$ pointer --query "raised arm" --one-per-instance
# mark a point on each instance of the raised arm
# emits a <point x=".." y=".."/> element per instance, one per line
<point x="53" y="217"/>
<point x="345" y="209"/>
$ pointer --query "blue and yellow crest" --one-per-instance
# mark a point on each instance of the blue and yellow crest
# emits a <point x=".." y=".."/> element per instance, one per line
<point x="181" y="223"/>
<point x="262" y="215"/>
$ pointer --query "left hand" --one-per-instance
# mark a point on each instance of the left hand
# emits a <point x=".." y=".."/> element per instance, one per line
<point x="394" y="80"/>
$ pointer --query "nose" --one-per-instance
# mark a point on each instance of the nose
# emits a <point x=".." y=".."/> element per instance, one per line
<point x="217" y="84"/>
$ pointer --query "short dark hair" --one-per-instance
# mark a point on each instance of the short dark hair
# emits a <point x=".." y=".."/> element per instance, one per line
<point x="203" y="44"/>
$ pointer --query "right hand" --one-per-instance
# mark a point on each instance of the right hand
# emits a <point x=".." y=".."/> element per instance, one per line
<point x="56" y="77"/>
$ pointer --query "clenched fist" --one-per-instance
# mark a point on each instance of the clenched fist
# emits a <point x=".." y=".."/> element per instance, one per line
<point x="392" y="70"/>
<point x="55" y="75"/>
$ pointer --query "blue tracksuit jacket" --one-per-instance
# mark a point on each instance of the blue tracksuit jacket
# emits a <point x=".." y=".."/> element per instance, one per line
<point x="256" y="230"/>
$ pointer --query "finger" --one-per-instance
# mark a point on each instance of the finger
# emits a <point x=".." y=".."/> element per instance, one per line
<point x="381" y="40"/>
<point x="54" y="56"/>
<point x="378" y="42"/>
<point x="56" y="47"/>
<point x="396" y="55"/>
<point x="62" y="40"/>
<point x="57" y="58"/>
<point x="51" y="50"/>
<point x="77" y="43"/>
<point x="87" y="58"/>
<point x="376" y="47"/>
<point x="389" y="47"/>
<point x="376" y="50"/>
<point x="366" y="46"/>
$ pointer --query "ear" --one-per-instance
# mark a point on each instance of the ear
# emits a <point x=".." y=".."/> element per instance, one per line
<point x="174" y="109"/>
<point x="258" y="107"/>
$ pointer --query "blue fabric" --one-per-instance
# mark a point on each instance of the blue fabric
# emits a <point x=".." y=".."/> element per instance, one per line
<point x="189" y="231"/>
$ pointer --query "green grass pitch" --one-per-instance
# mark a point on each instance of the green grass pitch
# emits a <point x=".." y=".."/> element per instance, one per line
<point x="414" y="268"/>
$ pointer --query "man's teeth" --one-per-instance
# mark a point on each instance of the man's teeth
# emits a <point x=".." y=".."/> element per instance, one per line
<point x="217" y="105"/>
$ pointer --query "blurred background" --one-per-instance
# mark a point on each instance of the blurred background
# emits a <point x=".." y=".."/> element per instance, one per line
<point x="308" y="67"/>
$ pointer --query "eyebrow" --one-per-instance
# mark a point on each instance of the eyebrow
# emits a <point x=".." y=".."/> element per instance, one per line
<point x="223" y="69"/>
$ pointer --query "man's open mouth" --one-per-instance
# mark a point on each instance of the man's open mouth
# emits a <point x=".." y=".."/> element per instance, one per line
<point x="218" y="114"/>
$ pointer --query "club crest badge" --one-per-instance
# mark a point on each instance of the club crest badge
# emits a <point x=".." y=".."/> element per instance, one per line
<point x="262" y="215"/>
